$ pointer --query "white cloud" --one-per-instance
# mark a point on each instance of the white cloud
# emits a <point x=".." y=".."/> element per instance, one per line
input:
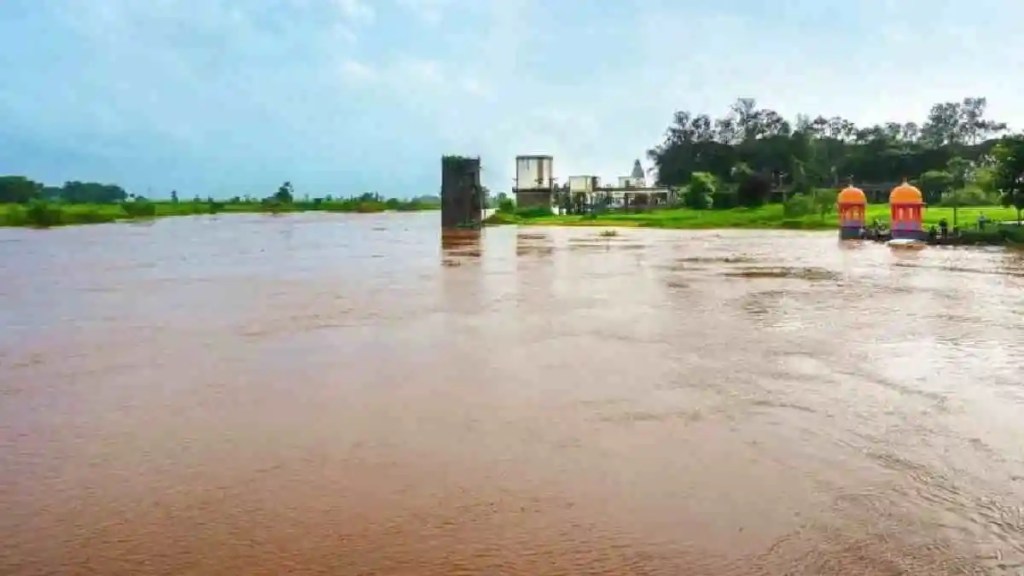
<point x="474" y="87"/>
<point x="429" y="11"/>
<point x="355" y="71"/>
<point x="414" y="76"/>
<point x="356" y="11"/>
<point x="420" y="71"/>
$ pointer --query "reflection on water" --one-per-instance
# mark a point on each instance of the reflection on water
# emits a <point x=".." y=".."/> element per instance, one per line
<point x="534" y="243"/>
<point x="315" y="394"/>
<point x="458" y="244"/>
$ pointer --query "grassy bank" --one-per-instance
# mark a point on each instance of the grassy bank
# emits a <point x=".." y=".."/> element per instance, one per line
<point x="766" y="217"/>
<point x="44" y="214"/>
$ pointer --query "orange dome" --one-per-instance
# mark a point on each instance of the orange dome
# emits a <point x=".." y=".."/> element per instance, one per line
<point x="905" y="194"/>
<point x="852" y="195"/>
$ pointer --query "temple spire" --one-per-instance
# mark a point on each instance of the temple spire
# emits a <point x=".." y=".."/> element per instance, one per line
<point x="638" y="170"/>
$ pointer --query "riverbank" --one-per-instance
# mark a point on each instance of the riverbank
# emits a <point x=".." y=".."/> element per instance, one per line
<point x="771" y="216"/>
<point x="47" y="214"/>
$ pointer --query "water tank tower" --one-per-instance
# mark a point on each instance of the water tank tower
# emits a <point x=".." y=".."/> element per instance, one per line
<point x="534" y="181"/>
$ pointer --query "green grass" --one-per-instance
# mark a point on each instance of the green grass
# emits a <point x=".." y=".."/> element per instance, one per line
<point x="766" y="217"/>
<point x="60" y="214"/>
<point x="54" y="215"/>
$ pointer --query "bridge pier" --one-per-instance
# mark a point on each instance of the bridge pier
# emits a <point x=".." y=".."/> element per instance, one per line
<point x="462" y="199"/>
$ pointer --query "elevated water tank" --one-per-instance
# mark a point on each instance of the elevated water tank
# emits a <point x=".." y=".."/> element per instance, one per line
<point x="534" y="172"/>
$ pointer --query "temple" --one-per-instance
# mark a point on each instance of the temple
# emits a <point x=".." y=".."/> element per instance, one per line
<point x="638" y="170"/>
<point x="906" y="210"/>
<point x="852" y="206"/>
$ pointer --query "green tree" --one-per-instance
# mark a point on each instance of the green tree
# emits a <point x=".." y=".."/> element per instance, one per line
<point x="985" y="179"/>
<point x="174" y="196"/>
<point x="700" y="192"/>
<point x="798" y="205"/>
<point x="92" y="193"/>
<point x="43" y="214"/>
<point x="139" y="207"/>
<point x="934" y="183"/>
<point x="814" y="151"/>
<point x="506" y="205"/>
<point x="824" y="201"/>
<point x="1009" y="172"/>
<point x="753" y="190"/>
<point x="18" y="189"/>
<point x="285" y="193"/>
<point x="961" y="172"/>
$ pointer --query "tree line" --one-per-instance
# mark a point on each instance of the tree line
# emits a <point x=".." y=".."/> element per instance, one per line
<point x="23" y="190"/>
<point x="25" y="202"/>
<point x="957" y="155"/>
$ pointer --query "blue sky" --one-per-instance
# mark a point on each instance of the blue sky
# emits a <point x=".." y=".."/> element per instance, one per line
<point x="226" y="97"/>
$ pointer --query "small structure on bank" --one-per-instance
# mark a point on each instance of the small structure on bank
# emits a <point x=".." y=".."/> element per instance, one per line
<point x="906" y="210"/>
<point x="462" y="199"/>
<point x="535" y="182"/>
<point x="852" y="206"/>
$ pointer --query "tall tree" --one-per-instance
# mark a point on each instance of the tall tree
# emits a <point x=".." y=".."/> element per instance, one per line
<point x="815" y="151"/>
<point x="18" y="189"/>
<point x="1009" y="172"/>
<point x="285" y="194"/>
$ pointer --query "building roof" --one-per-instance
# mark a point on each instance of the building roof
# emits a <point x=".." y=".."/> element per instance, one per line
<point x="852" y="195"/>
<point x="905" y="194"/>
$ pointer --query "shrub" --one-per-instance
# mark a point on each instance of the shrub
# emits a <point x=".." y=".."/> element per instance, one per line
<point x="14" y="215"/>
<point x="725" y="198"/>
<point x="753" y="190"/>
<point x="797" y="206"/>
<point x="507" y="206"/>
<point x="824" y="201"/>
<point x="370" y="207"/>
<point x="970" y="196"/>
<point x="43" y="214"/>
<point x="1001" y="235"/>
<point x="1013" y="234"/>
<point x="699" y="193"/>
<point x="88" y="215"/>
<point x="410" y="206"/>
<point x="139" y="209"/>
<point x="272" y="205"/>
<point x="534" y="212"/>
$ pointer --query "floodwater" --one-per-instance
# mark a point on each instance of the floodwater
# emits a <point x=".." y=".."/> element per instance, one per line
<point x="348" y="394"/>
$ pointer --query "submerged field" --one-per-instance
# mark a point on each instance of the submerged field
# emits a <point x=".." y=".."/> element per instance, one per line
<point x="769" y="216"/>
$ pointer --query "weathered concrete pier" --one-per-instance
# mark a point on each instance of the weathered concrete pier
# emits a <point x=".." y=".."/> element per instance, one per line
<point x="462" y="199"/>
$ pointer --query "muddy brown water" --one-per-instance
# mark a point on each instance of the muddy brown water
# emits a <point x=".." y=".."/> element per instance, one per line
<point x="314" y="394"/>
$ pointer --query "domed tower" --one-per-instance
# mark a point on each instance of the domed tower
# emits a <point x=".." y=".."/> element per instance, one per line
<point x="852" y="205"/>
<point x="906" y="210"/>
<point x="636" y="176"/>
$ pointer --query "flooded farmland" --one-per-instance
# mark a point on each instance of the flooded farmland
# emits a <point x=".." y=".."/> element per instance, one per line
<point x="354" y="394"/>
